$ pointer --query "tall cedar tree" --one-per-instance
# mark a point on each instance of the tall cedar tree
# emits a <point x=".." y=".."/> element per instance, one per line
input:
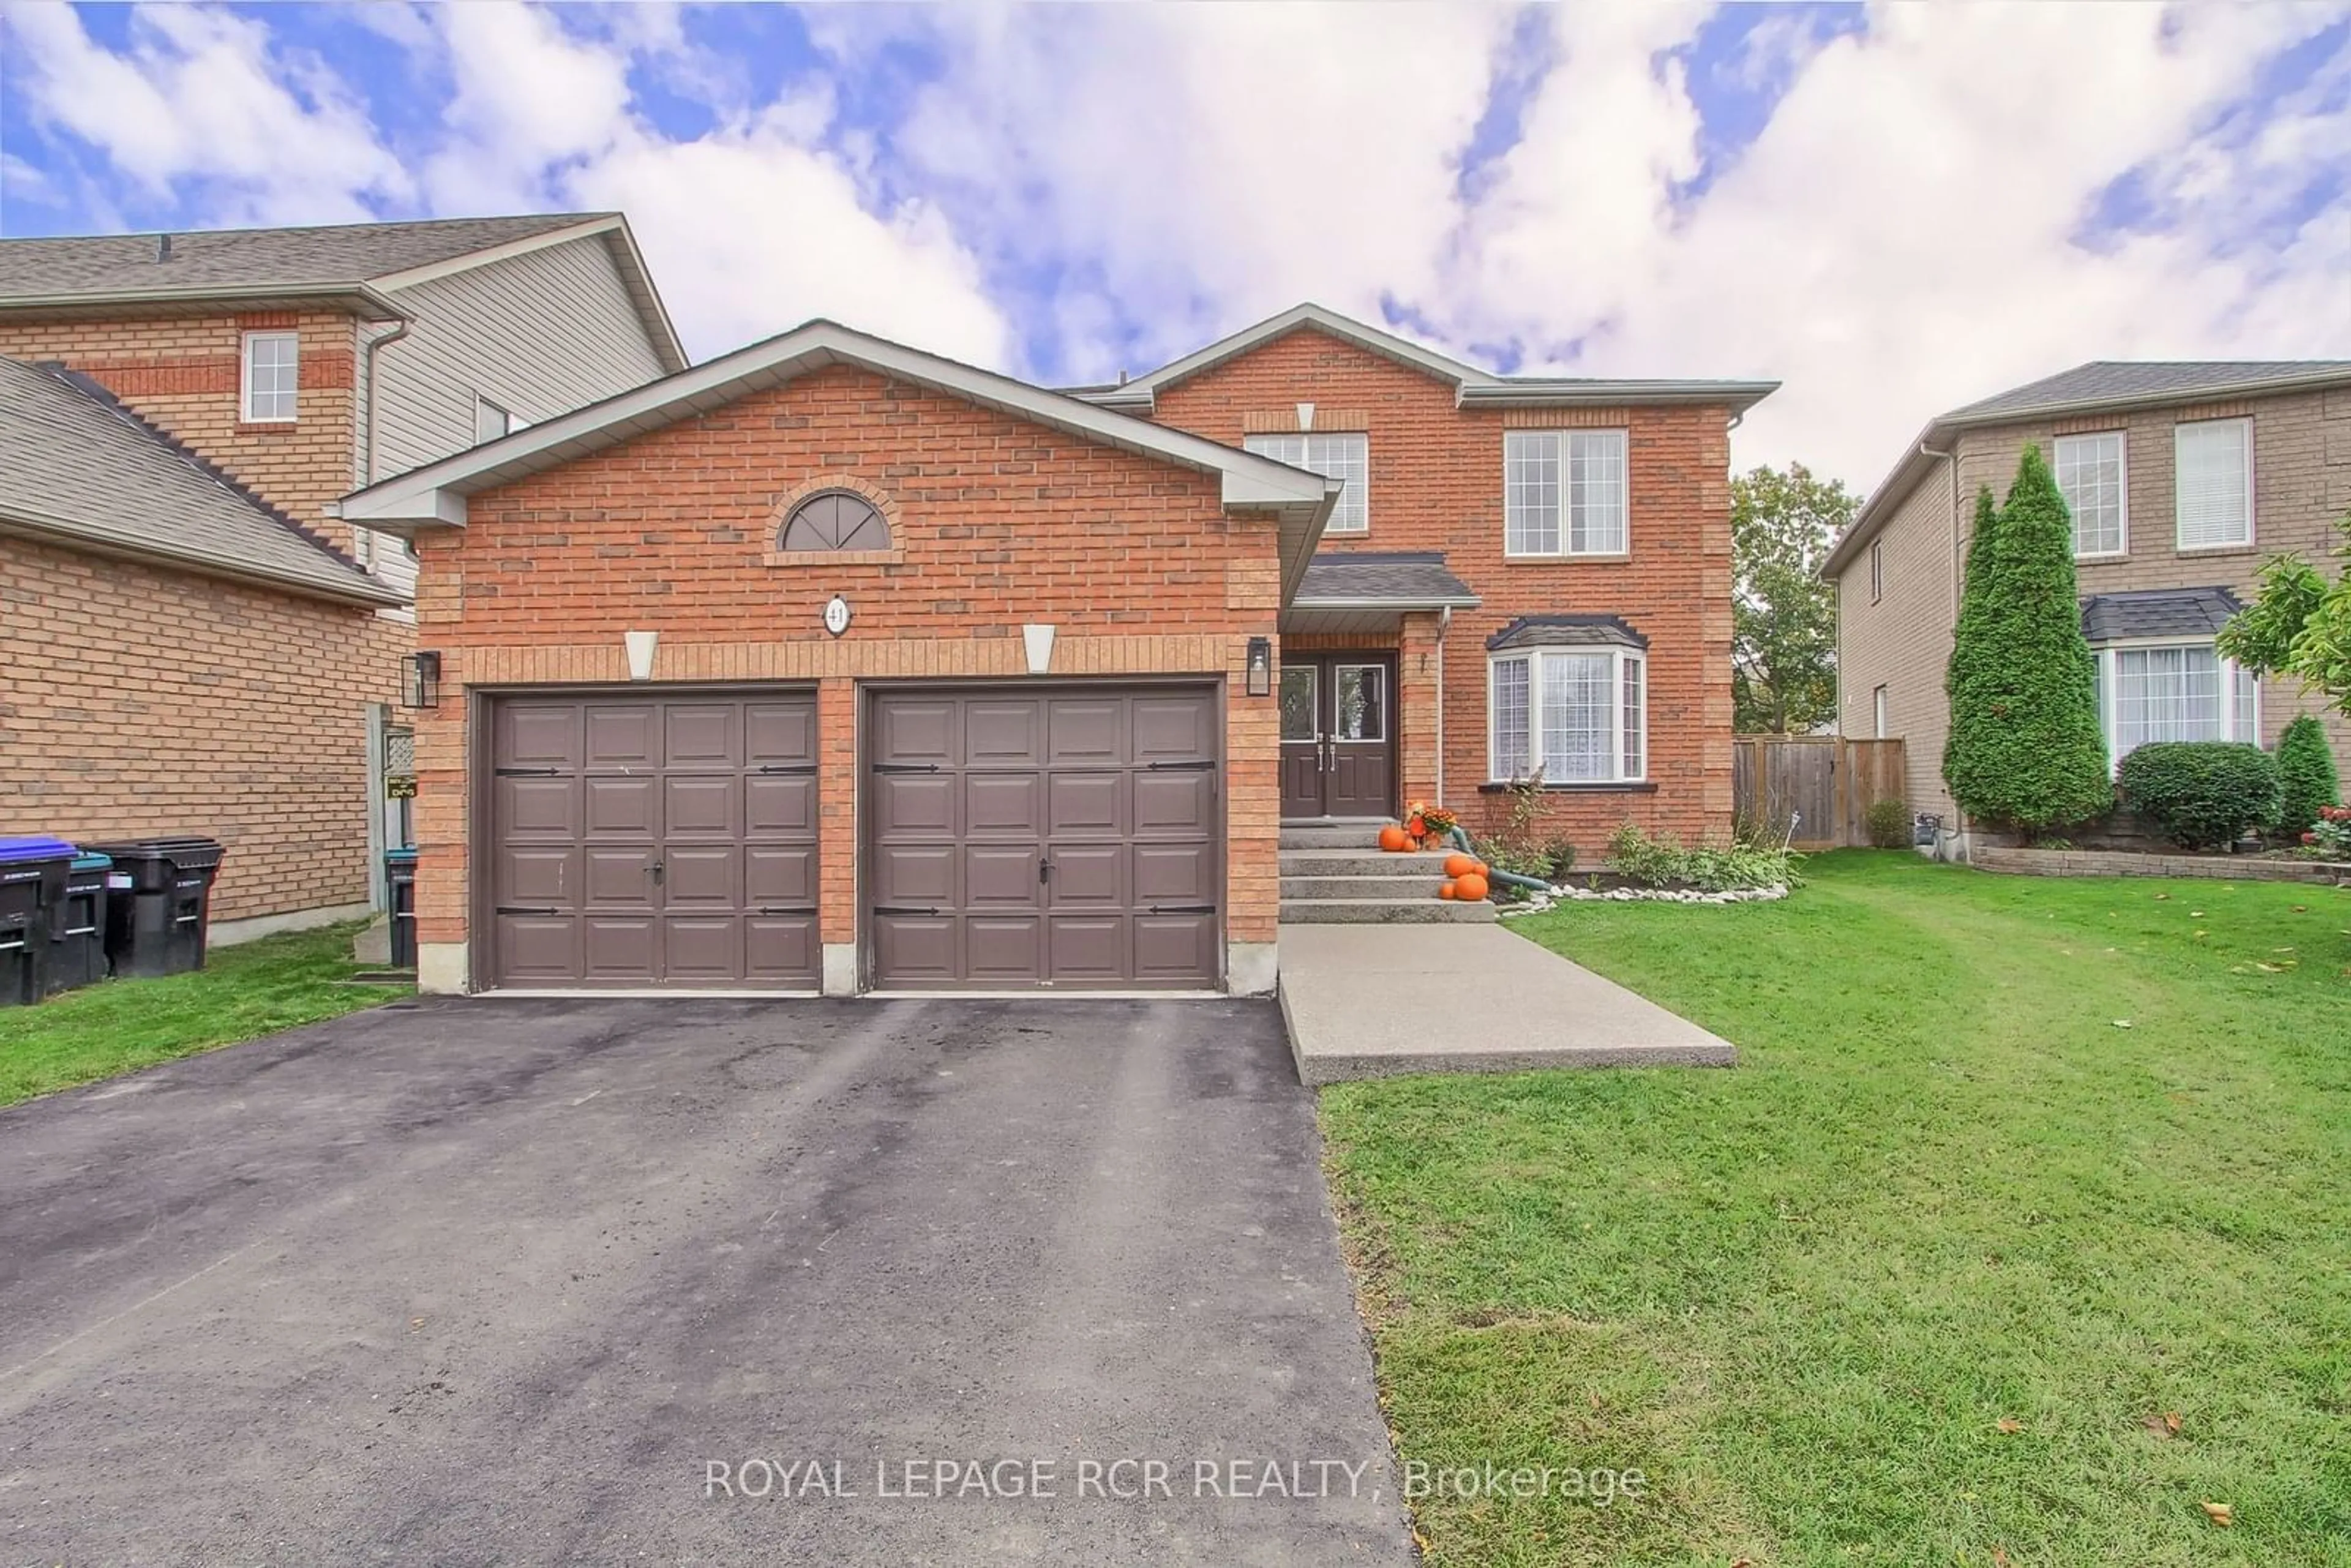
<point x="2306" y="776"/>
<point x="2025" y="750"/>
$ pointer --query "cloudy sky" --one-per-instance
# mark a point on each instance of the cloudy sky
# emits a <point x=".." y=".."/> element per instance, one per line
<point x="1893" y="209"/>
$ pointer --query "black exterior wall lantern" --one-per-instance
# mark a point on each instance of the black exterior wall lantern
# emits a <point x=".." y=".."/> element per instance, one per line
<point x="420" y="680"/>
<point x="1260" y="666"/>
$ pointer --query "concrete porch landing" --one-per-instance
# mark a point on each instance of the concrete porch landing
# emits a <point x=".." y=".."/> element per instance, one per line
<point x="1372" y="1001"/>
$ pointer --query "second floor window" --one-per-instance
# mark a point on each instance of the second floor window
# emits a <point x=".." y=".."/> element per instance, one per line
<point x="2090" y="473"/>
<point x="2212" y="477"/>
<point x="1337" y="456"/>
<point x="273" y="362"/>
<point x="1563" y="493"/>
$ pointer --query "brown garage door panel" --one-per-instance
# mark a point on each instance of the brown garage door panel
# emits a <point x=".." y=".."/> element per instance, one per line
<point x="645" y="842"/>
<point x="1019" y="839"/>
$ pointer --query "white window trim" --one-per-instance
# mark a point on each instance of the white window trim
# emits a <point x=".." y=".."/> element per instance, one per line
<point x="2122" y="484"/>
<point x="1877" y="715"/>
<point x="2252" y="531"/>
<point x="1877" y="571"/>
<point x="1533" y="658"/>
<point x="245" y="378"/>
<point x="2108" y="692"/>
<point x="1305" y="438"/>
<point x="1567" y="551"/>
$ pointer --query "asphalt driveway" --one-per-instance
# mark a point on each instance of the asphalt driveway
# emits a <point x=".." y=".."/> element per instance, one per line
<point x="509" y="1282"/>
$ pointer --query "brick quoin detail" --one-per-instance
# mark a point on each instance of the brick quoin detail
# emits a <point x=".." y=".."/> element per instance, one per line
<point x="1436" y="484"/>
<point x="1001" y="522"/>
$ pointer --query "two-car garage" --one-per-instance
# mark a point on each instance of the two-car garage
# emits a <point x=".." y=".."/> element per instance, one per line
<point x="1006" y="838"/>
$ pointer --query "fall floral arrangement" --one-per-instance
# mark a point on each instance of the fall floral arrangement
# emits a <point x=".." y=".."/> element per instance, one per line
<point x="1426" y="821"/>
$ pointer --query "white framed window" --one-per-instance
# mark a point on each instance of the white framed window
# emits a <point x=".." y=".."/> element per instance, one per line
<point x="1877" y="571"/>
<point x="1877" y="713"/>
<point x="1564" y="492"/>
<point x="2175" y="691"/>
<point x="2212" y="483"/>
<point x="1578" y="716"/>
<point x="2090" y="473"/>
<point x="1334" y="454"/>
<point x="490" y="421"/>
<point x="272" y="374"/>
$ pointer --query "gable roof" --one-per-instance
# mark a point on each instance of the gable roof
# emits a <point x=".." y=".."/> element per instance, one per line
<point x="355" y="265"/>
<point x="2101" y="386"/>
<point x="434" y="495"/>
<point x="1471" y="385"/>
<point x="85" y="472"/>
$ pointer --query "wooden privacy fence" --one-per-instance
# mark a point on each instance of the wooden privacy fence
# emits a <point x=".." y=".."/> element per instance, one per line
<point x="1825" y="784"/>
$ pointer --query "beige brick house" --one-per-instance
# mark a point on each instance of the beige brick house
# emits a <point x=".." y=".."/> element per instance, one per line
<point x="194" y="641"/>
<point x="833" y="664"/>
<point x="2182" y="478"/>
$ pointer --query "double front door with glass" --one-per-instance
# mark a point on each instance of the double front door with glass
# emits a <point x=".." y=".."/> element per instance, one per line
<point x="1338" y="734"/>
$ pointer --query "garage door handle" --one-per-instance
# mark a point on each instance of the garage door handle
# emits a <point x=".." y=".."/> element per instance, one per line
<point x="906" y="909"/>
<point x="1182" y="766"/>
<point x="788" y="768"/>
<point x="527" y="772"/>
<point x="787" y="909"/>
<point x="525" y="909"/>
<point x="905" y="768"/>
<point x="1182" y="909"/>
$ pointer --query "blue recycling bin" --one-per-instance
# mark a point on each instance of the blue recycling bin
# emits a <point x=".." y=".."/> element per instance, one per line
<point x="33" y="870"/>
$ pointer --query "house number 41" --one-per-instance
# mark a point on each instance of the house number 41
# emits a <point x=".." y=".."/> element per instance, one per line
<point x="836" y="615"/>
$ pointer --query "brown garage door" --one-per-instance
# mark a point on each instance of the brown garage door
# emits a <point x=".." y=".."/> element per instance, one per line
<point x="1064" y="838"/>
<point x="654" y="842"/>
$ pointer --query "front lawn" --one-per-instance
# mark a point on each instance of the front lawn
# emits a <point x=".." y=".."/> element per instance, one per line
<point x="2013" y="1171"/>
<point x="251" y="989"/>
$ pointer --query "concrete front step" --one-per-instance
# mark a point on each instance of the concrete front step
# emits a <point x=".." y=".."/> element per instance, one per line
<point x="1383" y="886"/>
<point x="1331" y="835"/>
<point x="1384" y="911"/>
<point x="1359" y="862"/>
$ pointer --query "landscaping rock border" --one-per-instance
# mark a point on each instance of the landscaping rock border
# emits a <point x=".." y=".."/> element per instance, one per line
<point x="1539" y="902"/>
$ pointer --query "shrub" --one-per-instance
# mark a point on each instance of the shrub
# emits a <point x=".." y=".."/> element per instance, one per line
<point x="2201" y="794"/>
<point x="2025" y="750"/>
<point x="1890" y="824"/>
<point x="1660" y="861"/>
<point x="2329" y="837"/>
<point x="2306" y="780"/>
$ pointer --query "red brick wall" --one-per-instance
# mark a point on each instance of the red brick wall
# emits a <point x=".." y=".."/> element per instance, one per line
<point x="138" y="700"/>
<point x="995" y="523"/>
<point x="182" y="373"/>
<point x="1436" y="484"/>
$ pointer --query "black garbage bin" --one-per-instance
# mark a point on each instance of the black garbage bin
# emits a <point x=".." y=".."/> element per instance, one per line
<point x="32" y="875"/>
<point x="78" y="927"/>
<point x="400" y="876"/>
<point x="159" y="924"/>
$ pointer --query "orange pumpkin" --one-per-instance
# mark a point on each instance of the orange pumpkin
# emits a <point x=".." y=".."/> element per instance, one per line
<point x="1445" y="891"/>
<point x="1472" y="887"/>
<point x="1482" y="869"/>
<point x="1460" y="865"/>
<point x="1392" y="838"/>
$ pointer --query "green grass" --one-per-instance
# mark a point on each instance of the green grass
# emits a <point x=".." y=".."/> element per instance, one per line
<point x="251" y="989"/>
<point x="1945" y="1189"/>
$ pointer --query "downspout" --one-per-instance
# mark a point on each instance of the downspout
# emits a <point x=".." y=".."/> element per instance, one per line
<point x="1951" y="461"/>
<point x="1444" y="624"/>
<point x="367" y="426"/>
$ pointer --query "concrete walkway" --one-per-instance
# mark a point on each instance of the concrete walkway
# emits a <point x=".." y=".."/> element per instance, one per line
<point x="1370" y="1001"/>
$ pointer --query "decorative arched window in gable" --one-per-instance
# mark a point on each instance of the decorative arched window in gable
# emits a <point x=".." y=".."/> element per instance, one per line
<point x="835" y="520"/>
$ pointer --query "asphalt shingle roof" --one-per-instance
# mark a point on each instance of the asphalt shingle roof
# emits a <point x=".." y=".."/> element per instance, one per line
<point x="293" y="259"/>
<point x="81" y="466"/>
<point x="1567" y="632"/>
<point x="2107" y="380"/>
<point x="2191" y="612"/>
<point x="1406" y="576"/>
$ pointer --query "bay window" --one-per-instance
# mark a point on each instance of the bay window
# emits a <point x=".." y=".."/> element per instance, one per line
<point x="2174" y="692"/>
<point x="1574" y="715"/>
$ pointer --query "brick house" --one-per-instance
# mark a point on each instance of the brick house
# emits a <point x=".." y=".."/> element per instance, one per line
<point x="195" y="641"/>
<point x="2182" y="477"/>
<point x="832" y="664"/>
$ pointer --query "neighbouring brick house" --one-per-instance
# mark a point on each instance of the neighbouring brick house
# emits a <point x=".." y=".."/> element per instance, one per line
<point x="195" y="641"/>
<point x="833" y="664"/>
<point x="2182" y="478"/>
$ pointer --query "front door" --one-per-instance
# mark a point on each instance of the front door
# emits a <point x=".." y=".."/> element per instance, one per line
<point x="1338" y="734"/>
